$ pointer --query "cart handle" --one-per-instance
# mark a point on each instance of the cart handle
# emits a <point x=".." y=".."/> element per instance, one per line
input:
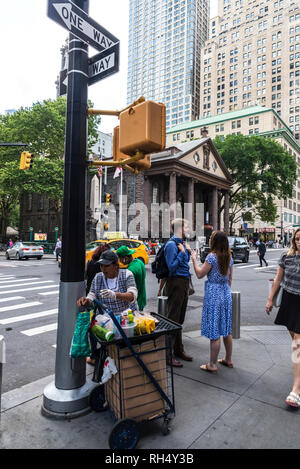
<point x="98" y="304"/>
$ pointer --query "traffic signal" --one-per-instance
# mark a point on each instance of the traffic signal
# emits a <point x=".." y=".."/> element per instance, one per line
<point x="26" y="160"/>
<point x="141" y="165"/>
<point x="143" y="128"/>
<point x="108" y="199"/>
<point x="106" y="226"/>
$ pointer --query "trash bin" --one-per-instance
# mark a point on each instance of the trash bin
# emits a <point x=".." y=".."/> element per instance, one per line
<point x="236" y="314"/>
<point x="162" y="305"/>
<point x="2" y="360"/>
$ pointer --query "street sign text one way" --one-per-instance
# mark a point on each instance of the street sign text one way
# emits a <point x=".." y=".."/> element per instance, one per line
<point x="104" y="64"/>
<point x="77" y="22"/>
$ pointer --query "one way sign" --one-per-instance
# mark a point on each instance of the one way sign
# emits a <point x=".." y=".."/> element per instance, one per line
<point x="77" y="22"/>
<point x="104" y="64"/>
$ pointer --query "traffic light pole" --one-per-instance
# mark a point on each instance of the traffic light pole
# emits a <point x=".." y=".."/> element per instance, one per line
<point x="68" y="395"/>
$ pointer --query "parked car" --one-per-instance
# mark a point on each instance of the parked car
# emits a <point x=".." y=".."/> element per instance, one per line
<point x="239" y="249"/>
<point x="140" y="249"/>
<point x="24" y="250"/>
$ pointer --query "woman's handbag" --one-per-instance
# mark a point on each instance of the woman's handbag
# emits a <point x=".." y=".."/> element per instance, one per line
<point x="276" y="302"/>
<point x="191" y="287"/>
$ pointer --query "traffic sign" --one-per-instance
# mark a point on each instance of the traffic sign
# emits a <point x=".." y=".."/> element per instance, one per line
<point x="63" y="82"/>
<point x="104" y="64"/>
<point x="77" y="22"/>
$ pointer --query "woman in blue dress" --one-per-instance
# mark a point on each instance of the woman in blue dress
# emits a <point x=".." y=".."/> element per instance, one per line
<point x="217" y="304"/>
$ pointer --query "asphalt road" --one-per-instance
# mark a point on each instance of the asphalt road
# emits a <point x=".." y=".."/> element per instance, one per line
<point x="29" y="302"/>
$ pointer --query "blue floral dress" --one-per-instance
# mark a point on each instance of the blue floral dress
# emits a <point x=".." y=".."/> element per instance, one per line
<point x="217" y="304"/>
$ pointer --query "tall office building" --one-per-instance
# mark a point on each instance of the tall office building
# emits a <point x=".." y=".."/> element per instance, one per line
<point x="165" y="38"/>
<point x="253" y="57"/>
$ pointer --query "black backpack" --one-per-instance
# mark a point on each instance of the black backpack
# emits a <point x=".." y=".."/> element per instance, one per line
<point x="159" y="266"/>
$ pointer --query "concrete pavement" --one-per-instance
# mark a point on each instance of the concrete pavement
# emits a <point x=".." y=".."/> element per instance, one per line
<point x="234" y="408"/>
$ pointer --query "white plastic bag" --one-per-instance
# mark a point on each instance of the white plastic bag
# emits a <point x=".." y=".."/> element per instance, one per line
<point x="109" y="369"/>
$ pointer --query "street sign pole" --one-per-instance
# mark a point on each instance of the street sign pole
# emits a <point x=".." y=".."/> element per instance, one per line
<point x="67" y="397"/>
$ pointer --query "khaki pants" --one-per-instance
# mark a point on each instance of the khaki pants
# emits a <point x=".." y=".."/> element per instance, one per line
<point x="177" y="291"/>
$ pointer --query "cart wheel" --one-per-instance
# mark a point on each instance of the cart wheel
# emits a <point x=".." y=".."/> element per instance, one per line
<point x="124" y="435"/>
<point x="97" y="399"/>
<point x="165" y="429"/>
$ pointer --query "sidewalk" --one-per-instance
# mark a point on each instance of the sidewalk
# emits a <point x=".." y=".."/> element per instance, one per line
<point x="235" y="408"/>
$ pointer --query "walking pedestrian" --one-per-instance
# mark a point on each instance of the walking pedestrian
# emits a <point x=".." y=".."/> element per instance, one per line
<point x="92" y="268"/>
<point x="177" y="284"/>
<point x="137" y="267"/>
<point x="261" y="252"/>
<point x="57" y="248"/>
<point x="288" y="276"/>
<point x="217" y="304"/>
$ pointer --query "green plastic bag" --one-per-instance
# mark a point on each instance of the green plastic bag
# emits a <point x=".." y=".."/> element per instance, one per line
<point x="80" y="344"/>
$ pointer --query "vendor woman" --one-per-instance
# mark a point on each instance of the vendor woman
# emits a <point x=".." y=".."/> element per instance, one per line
<point x="115" y="287"/>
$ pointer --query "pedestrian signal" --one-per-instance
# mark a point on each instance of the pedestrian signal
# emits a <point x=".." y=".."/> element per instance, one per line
<point x="143" y="128"/>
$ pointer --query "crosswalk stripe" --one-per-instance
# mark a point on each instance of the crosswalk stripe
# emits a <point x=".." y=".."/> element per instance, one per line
<point x="19" y="280"/>
<point x="49" y="293"/>
<point x="11" y="298"/>
<point x="40" y="330"/>
<point x="25" y="317"/>
<point x="20" y="306"/>
<point x="26" y="289"/>
<point x="30" y="283"/>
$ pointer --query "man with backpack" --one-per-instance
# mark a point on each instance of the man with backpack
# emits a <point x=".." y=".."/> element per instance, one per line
<point x="261" y="252"/>
<point x="177" y="284"/>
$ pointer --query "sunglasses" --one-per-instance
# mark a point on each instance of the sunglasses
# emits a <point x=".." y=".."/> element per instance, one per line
<point x="297" y="239"/>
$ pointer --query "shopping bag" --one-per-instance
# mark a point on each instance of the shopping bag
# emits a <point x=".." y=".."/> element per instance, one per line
<point x="278" y="295"/>
<point x="80" y="346"/>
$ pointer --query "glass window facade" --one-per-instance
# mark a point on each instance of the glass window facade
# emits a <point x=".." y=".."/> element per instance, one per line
<point x="165" y="38"/>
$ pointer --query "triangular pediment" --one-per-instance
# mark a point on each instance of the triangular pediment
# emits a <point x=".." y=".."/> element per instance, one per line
<point x="205" y="157"/>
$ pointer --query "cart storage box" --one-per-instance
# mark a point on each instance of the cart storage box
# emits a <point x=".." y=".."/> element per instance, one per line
<point x="137" y="397"/>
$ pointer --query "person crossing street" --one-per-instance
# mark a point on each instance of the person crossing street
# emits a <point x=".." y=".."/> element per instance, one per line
<point x="261" y="253"/>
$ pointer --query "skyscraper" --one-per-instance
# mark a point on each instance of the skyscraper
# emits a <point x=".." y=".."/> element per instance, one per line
<point x="165" y="38"/>
<point x="253" y="57"/>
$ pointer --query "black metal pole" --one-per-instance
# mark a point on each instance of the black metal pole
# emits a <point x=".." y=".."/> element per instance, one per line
<point x="69" y="394"/>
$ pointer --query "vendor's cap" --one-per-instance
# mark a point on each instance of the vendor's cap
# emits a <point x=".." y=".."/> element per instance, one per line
<point x="108" y="257"/>
<point x="124" y="251"/>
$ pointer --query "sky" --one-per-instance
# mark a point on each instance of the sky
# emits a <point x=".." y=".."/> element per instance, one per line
<point x="30" y="55"/>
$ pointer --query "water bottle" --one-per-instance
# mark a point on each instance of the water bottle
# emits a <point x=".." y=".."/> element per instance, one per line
<point x="102" y="333"/>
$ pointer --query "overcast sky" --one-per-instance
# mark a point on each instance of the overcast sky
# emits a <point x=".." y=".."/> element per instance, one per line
<point x="30" y="54"/>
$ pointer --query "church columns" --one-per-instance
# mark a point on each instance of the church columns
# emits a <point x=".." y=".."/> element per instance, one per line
<point x="172" y="195"/>
<point x="214" y="208"/>
<point x="226" y="213"/>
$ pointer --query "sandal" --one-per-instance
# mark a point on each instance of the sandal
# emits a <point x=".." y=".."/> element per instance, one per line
<point x="225" y="363"/>
<point x="205" y="368"/>
<point x="293" y="400"/>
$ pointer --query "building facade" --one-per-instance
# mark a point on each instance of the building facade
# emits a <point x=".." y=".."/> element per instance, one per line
<point x="253" y="56"/>
<point x="165" y="37"/>
<point x="186" y="173"/>
<point x="256" y="120"/>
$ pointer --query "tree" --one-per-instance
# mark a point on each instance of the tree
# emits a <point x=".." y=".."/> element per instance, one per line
<point x="261" y="171"/>
<point x="43" y="127"/>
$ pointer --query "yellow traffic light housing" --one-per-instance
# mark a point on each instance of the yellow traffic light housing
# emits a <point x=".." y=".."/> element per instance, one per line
<point x="108" y="199"/>
<point x="143" y="128"/>
<point x="26" y="160"/>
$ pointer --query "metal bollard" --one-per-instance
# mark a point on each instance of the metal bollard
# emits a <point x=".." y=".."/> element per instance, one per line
<point x="2" y="360"/>
<point x="236" y="314"/>
<point x="162" y="305"/>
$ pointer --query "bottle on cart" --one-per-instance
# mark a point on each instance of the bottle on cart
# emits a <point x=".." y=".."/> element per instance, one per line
<point x="102" y="333"/>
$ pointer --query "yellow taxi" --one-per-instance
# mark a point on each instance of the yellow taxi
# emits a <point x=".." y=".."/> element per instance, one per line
<point x="140" y="249"/>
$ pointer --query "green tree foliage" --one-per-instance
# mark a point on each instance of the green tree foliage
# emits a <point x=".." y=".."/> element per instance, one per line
<point x="261" y="171"/>
<point x="42" y="126"/>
